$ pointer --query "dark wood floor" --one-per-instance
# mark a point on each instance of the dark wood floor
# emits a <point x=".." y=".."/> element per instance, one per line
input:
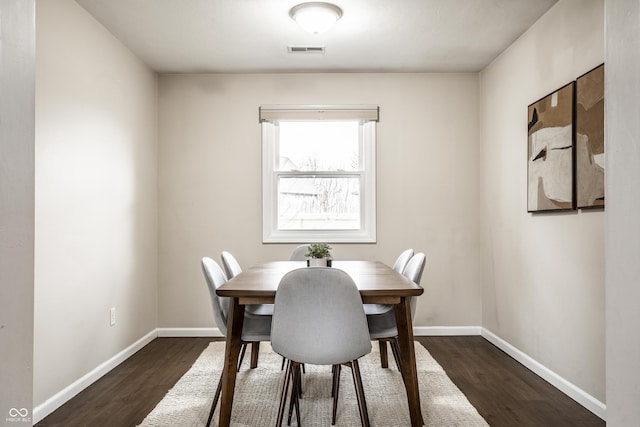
<point x="504" y="392"/>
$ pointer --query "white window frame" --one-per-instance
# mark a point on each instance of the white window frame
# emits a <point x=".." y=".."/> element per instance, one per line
<point x="269" y="117"/>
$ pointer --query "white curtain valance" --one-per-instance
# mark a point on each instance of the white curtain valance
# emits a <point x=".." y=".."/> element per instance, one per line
<point x="268" y="113"/>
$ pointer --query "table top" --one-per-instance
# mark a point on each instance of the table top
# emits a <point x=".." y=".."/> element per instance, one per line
<point x="376" y="281"/>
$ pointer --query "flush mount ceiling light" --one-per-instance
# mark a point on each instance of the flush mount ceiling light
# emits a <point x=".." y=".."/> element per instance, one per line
<point x="315" y="17"/>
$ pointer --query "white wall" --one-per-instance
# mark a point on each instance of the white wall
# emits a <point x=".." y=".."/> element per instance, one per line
<point x="210" y="181"/>
<point x="17" y="71"/>
<point x="542" y="274"/>
<point x="622" y="88"/>
<point x="96" y="196"/>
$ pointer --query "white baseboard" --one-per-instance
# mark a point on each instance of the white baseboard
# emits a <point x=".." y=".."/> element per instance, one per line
<point x="433" y="331"/>
<point x="571" y="390"/>
<point x="63" y="396"/>
<point x="188" y="332"/>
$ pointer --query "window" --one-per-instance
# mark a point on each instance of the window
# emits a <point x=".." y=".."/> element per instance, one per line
<point x="318" y="173"/>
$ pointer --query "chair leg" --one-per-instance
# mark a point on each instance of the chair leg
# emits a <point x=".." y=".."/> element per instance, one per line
<point x="384" y="359"/>
<point x="298" y="395"/>
<point x="333" y="379"/>
<point x="215" y="401"/>
<point x="255" y="350"/>
<point x="282" y="365"/>
<point x="395" y="348"/>
<point x="300" y="381"/>
<point x="283" y="397"/>
<point x="242" y="352"/>
<point x="362" y="403"/>
<point x="294" y="402"/>
<point x="335" y="391"/>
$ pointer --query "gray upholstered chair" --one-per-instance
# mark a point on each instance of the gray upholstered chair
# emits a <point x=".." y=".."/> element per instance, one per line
<point x="382" y="327"/>
<point x="232" y="269"/>
<point x="379" y="309"/>
<point x="299" y="253"/>
<point x="402" y="260"/>
<point x="231" y="265"/>
<point x="318" y="319"/>
<point x="398" y="266"/>
<point x="254" y="328"/>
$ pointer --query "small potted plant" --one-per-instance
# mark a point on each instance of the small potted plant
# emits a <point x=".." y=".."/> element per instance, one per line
<point x="319" y="255"/>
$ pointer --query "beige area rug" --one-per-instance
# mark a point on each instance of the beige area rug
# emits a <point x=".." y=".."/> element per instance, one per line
<point x="257" y="394"/>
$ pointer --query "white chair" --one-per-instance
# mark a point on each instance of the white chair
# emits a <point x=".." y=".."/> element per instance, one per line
<point x="254" y="328"/>
<point x="402" y="260"/>
<point x="398" y="266"/>
<point x="382" y="327"/>
<point x="231" y="265"/>
<point x="378" y="309"/>
<point x="299" y="253"/>
<point x="232" y="269"/>
<point x="319" y="319"/>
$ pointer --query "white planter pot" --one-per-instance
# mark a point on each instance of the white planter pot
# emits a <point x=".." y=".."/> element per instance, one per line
<point x="317" y="262"/>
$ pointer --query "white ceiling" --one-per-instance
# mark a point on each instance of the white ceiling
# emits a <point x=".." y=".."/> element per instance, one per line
<point x="231" y="36"/>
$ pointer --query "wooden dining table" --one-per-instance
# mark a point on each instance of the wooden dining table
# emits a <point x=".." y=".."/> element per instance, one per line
<point x="377" y="283"/>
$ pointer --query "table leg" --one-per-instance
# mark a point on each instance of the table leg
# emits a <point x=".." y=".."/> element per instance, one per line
<point x="408" y="359"/>
<point x="235" y="320"/>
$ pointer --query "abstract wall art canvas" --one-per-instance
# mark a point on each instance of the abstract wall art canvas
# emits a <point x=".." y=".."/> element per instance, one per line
<point x="590" y="139"/>
<point x="550" y="152"/>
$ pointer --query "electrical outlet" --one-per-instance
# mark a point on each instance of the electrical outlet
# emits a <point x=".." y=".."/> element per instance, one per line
<point x="112" y="316"/>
